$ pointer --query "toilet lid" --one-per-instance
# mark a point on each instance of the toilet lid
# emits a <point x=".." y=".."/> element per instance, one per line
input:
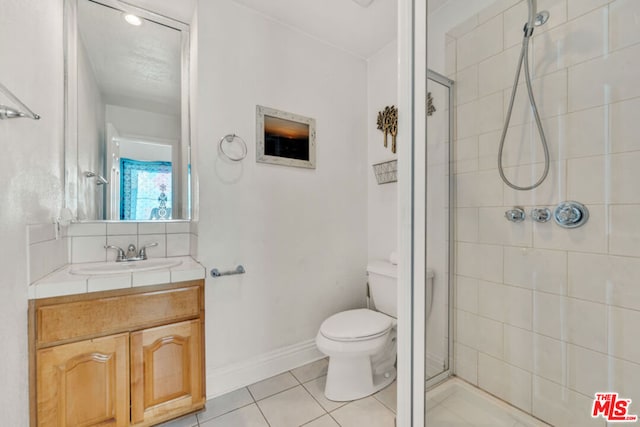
<point x="355" y="325"/>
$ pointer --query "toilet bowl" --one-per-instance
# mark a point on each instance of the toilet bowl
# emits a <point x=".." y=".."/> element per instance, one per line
<point x="361" y="345"/>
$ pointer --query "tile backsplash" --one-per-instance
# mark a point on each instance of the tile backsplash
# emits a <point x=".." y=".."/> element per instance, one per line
<point x="45" y="252"/>
<point x="85" y="242"/>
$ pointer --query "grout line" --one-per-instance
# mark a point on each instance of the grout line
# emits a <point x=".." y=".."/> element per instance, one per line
<point x="225" y="413"/>
<point x="316" y="418"/>
<point x="280" y="392"/>
<point x="333" y="418"/>
<point x="382" y="403"/>
<point x="317" y="401"/>
<point x="293" y="375"/>
<point x="274" y="394"/>
<point x="263" y="415"/>
<point x="251" y="394"/>
<point x="255" y="402"/>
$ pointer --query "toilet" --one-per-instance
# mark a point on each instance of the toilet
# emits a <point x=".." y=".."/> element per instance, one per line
<point x="361" y="343"/>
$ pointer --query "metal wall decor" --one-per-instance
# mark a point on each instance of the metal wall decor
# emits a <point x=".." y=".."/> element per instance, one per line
<point x="386" y="172"/>
<point x="430" y="107"/>
<point x="388" y="124"/>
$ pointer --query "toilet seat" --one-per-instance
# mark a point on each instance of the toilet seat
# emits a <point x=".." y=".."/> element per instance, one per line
<point x="356" y="325"/>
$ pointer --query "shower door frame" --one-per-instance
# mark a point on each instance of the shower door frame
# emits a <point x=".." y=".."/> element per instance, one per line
<point x="413" y="75"/>
<point x="448" y="372"/>
<point x="412" y="14"/>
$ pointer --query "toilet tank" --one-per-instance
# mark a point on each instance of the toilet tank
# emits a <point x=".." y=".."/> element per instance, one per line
<point x="383" y="286"/>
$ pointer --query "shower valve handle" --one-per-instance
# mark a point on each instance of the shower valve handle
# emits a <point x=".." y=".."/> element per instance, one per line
<point x="541" y="214"/>
<point x="570" y="214"/>
<point x="515" y="214"/>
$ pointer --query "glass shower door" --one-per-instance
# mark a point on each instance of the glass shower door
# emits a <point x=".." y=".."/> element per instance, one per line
<point x="439" y="119"/>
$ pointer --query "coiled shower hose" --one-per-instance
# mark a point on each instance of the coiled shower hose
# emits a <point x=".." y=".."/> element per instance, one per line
<point x="524" y="58"/>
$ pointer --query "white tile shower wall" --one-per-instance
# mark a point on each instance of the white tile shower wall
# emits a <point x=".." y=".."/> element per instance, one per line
<point x="87" y="240"/>
<point x="546" y="317"/>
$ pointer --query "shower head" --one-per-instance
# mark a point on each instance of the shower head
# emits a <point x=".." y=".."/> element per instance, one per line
<point x="535" y="19"/>
<point x="541" y="18"/>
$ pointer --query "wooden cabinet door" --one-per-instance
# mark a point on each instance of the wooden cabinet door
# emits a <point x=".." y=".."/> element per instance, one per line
<point x="84" y="383"/>
<point x="166" y="372"/>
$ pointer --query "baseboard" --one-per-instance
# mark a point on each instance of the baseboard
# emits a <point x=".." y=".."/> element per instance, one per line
<point x="232" y="377"/>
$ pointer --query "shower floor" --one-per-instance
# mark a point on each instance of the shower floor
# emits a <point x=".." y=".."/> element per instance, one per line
<point x="456" y="403"/>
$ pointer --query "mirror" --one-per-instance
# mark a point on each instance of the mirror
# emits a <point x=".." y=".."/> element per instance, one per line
<point x="127" y="149"/>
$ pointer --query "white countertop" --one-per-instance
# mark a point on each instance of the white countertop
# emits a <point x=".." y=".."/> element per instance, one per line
<point x="61" y="282"/>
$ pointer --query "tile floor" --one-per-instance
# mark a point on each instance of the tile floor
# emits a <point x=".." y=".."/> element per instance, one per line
<point x="296" y="398"/>
<point x="292" y="399"/>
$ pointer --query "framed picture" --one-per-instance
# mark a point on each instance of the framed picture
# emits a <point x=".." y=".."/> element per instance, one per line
<point x="285" y="139"/>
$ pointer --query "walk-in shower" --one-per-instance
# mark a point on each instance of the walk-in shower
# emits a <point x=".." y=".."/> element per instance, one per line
<point x="543" y="309"/>
<point x="535" y="20"/>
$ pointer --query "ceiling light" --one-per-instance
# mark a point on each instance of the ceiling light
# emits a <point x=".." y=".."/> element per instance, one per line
<point x="133" y="19"/>
<point x="364" y="3"/>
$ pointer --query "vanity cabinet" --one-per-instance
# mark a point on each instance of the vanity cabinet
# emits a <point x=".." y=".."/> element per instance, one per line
<point x="165" y="370"/>
<point x="84" y="383"/>
<point x="132" y="357"/>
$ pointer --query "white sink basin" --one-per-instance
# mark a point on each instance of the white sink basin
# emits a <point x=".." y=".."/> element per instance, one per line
<point x="124" y="267"/>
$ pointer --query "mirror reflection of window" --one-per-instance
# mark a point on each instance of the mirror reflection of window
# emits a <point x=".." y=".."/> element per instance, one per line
<point x="145" y="190"/>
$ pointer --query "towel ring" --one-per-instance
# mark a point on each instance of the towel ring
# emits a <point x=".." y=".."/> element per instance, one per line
<point x="229" y="139"/>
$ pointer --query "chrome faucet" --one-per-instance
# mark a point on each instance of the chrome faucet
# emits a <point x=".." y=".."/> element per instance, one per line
<point x="143" y="250"/>
<point x="131" y="251"/>
<point x="131" y="254"/>
<point x="121" y="255"/>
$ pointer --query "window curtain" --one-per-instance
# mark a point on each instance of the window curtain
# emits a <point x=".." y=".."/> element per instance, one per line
<point x="145" y="190"/>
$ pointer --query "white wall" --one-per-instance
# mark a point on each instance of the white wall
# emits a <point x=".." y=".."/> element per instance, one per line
<point x="134" y="122"/>
<point x="30" y="172"/>
<point x="382" y="91"/>
<point x="145" y="150"/>
<point x="300" y="233"/>
<point x="547" y="316"/>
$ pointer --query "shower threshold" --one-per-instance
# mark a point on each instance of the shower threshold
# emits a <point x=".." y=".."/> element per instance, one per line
<point x="455" y="402"/>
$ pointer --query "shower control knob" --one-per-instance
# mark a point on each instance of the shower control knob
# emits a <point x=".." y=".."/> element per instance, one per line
<point x="571" y="214"/>
<point x="567" y="214"/>
<point x="515" y="215"/>
<point x="541" y="215"/>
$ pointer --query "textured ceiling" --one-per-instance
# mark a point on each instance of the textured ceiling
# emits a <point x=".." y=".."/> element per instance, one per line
<point x="137" y="67"/>
<point x="342" y="23"/>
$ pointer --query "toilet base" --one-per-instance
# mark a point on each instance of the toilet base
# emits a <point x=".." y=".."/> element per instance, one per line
<point x="354" y="380"/>
<point x="354" y="376"/>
